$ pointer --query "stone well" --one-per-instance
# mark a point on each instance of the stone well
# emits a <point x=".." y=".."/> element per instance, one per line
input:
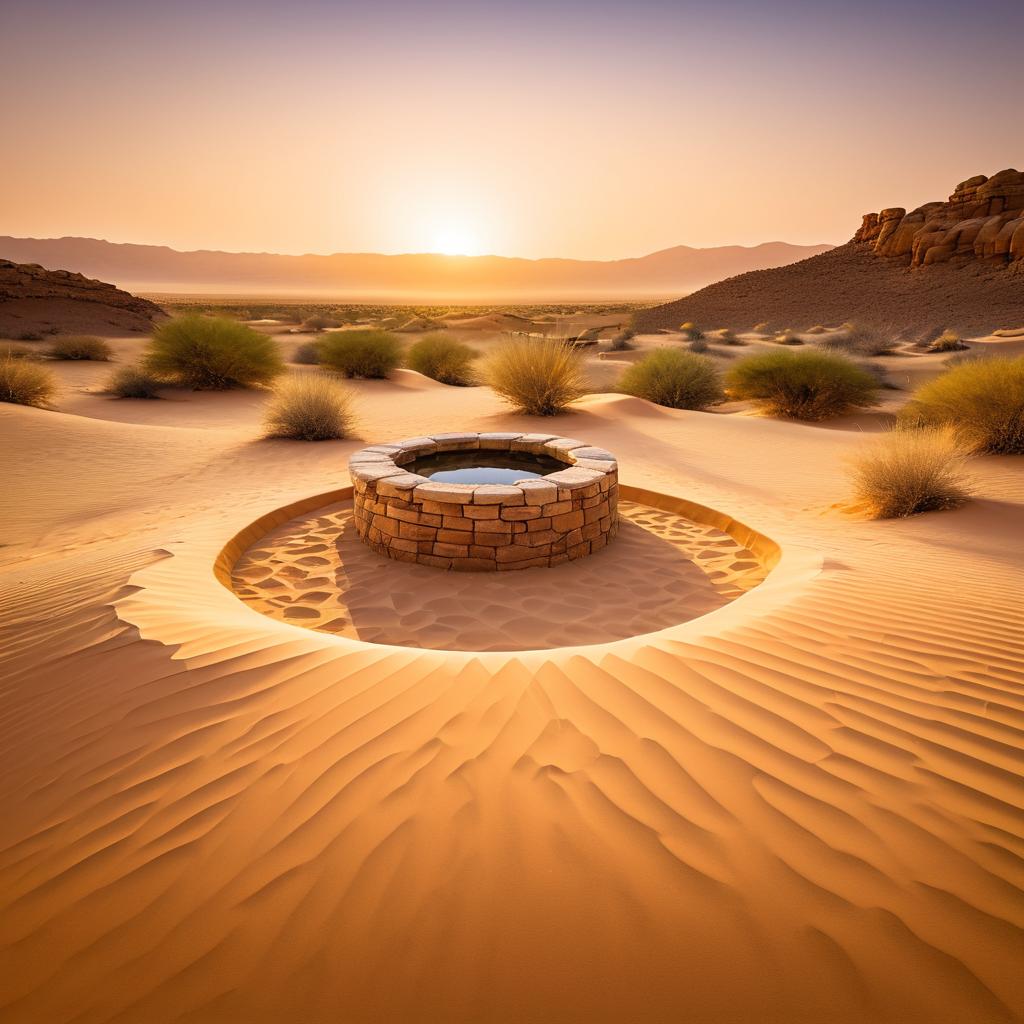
<point x="483" y="527"/>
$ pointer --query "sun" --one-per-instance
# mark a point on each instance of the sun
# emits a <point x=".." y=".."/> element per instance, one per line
<point x="456" y="240"/>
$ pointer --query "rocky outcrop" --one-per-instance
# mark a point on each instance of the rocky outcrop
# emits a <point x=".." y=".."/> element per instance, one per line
<point x="982" y="220"/>
<point x="35" y="299"/>
<point x="957" y="264"/>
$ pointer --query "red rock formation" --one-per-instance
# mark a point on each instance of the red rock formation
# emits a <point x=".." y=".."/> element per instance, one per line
<point x="982" y="220"/>
<point x="33" y="299"/>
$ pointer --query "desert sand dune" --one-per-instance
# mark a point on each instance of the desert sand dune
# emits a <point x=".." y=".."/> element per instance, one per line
<point x="804" y="806"/>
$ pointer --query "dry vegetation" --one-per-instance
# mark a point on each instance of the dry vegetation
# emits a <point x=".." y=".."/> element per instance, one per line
<point x="981" y="399"/>
<point x="910" y="470"/>
<point x="808" y="385"/>
<point x="442" y="358"/>
<point x="134" y="382"/>
<point x="212" y="354"/>
<point x="80" y="346"/>
<point x="24" y="382"/>
<point x="309" y="407"/>
<point x="674" y="378"/>
<point x="371" y="354"/>
<point x="537" y="377"/>
<point x="859" y="340"/>
<point x="948" y="341"/>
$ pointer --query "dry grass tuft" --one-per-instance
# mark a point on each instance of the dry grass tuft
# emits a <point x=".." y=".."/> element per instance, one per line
<point x="948" y="341"/>
<point x="858" y="340"/>
<point x="540" y="378"/>
<point x="24" y="382"/>
<point x="622" y="341"/>
<point x="310" y="407"/>
<point x="212" y="354"/>
<point x="981" y="399"/>
<point x="80" y="347"/>
<point x="443" y="359"/>
<point x="788" y="338"/>
<point x="807" y="385"/>
<point x="675" y="379"/>
<point x="908" y="471"/>
<point x="372" y="354"/>
<point x="134" y="382"/>
<point x="12" y="350"/>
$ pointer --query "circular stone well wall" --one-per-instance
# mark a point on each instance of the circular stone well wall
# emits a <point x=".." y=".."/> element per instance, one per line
<point x="485" y="527"/>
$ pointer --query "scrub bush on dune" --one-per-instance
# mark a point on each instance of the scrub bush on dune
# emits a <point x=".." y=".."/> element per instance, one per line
<point x="23" y="382"/>
<point x="981" y="399"/>
<point x="367" y="353"/>
<point x="806" y="385"/>
<point x="80" y="347"/>
<point x="540" y="378"/>
<point x="134" y="382"/>
<point x="674" y="378"/>
<point x="443" y="359"/>
<point x="910" y="470"/>
<point x="212" y="354"/>
<point x="309" y="407"/>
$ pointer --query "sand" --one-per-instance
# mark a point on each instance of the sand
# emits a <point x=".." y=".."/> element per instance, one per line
<point x="803" y="806"/>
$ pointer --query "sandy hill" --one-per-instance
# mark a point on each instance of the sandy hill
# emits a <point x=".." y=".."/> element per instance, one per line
<point x="411" y="277"/>
<point x="957" y="264"/>
<point x="35" y="300"/>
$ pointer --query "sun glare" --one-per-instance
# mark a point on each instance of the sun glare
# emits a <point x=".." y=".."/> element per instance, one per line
<point x="456" y="240"/>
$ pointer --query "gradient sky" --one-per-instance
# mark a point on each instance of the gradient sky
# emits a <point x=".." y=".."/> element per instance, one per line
<point x="559" y="128"/>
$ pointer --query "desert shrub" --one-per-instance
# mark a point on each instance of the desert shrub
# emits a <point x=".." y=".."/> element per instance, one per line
<point x="369" y="353"/>
<point x="909" y="470"/>
<point x="442" y="358"/>
<point x="809" y="385"/>
<point x="761" y="328"/>
<point x="857" y="340"/>
<point x="623" y="341"/>
<point x="134" y="382"/>
<point x="80" y="346"/>
<point x="982" y="399"/>
<point x="691" y="331"/>
<point x="538" y="377"/>
<point x="307" y="354"/>
<point x="677" y="379"/>
<point x="309" y="407"/>
<point x="318" y="323"/>
<point x="728" y="337"/>
<point x="24" y="382"/>
<point x="12" y="350"/>
<point x="212" y="354"/>
<point x="788" y="338"/>
<point x="698" y="345"/>
<point x="948" y="341"/>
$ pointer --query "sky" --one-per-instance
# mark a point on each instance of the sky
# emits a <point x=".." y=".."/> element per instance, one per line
<point x="560" y="128"/>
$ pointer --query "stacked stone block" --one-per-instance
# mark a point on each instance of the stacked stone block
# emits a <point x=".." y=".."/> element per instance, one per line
<point x="485" y="527"/>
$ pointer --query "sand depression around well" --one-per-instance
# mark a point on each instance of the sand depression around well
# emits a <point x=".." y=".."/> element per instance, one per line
<point x="663" y="569"/>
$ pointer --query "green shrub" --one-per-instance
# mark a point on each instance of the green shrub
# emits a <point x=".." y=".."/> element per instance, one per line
<point x="365" y="353"/>
<point x="809" y="385"/>
<point x="134" y="382"/>
<point x="691" y="331"/>
<point x="442" y="358"/>
<point x="948" y="341"/>
<point x="309" y="407"/>
<point x="981" y="399"/>
<point x="80" y="346"/>
<point x="538" y="377"/>
<point x="319" y="323"/>
<point x="307" y="354"/>
<point x="23" y="382"/>
<point x="674" y="378"/>
<point x="212" y="354"/>
<point x="910" y="470"/>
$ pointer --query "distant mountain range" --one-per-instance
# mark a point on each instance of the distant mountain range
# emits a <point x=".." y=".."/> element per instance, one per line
<point x="156" y="269"/>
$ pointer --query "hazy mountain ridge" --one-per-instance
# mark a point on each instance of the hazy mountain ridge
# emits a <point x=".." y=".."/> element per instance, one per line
<point x="154" y="268"/>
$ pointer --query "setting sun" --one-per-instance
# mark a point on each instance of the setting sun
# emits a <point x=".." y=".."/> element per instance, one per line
<point x="456" y="240"/>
